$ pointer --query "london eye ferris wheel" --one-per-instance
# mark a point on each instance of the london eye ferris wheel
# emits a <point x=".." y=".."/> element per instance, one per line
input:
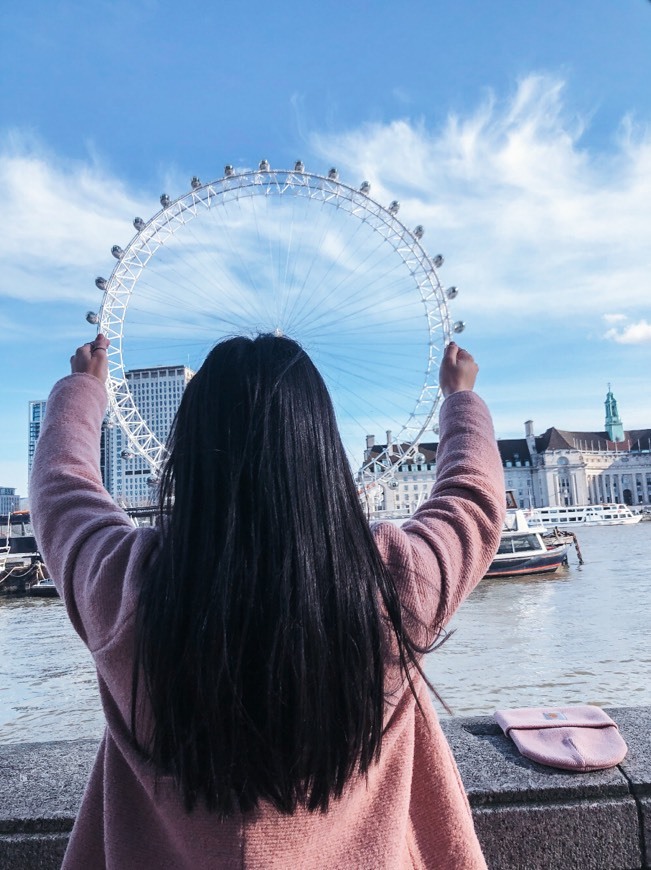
<point x="301" y="254"/>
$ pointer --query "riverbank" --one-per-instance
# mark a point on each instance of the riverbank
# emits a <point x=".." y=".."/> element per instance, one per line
<point x="528" y="817"/>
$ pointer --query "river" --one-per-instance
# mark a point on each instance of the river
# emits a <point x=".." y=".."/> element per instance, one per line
<point x="578" y="636"/>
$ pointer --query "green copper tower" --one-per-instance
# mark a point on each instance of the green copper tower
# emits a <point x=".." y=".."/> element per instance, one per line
<point x="614" y="426"/>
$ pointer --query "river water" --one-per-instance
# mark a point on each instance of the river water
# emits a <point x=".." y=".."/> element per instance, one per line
<point x="578" y="636"/>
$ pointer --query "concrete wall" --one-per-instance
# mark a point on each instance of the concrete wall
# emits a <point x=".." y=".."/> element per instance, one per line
<point x="528" y="817"/>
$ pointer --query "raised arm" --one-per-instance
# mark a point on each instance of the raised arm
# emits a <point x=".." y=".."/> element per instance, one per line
<point x="85" y="539"/>
<point x="439" y="555"/>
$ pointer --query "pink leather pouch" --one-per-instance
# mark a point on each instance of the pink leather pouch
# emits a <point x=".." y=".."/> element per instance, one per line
<point x="573" y="738"/>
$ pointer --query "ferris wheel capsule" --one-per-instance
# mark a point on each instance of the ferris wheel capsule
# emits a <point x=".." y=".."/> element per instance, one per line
<point x="100" y="283"/>
<point x="365" y="187"/>
<point x="127" y="454"/>
<point x="228" y="170"/>
<point x="438" y="261"/>
<point x="195" y="182"/>
<point x="333" y="174"/>
<point x="459" y="326"/>
<point x="117" y="252"/>
<point x="394" y="207"/>
<point x="419" y="231"/>
<point x="452" y="292"/>
<point x="139" y="224"/>
<point x="164" y="200"/>
<point x="92" y="317"/>
<point x="299" y="166"/>
<point x="264" y="166"/>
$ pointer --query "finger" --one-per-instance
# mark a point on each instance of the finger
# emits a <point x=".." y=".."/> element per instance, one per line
<point x="100" y="343"/>
<point x="451" y="352"/>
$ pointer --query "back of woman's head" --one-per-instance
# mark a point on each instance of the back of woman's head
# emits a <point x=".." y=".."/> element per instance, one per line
<point x="260" y="627"/>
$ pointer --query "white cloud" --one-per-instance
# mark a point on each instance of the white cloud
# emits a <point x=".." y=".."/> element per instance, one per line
<point x="62" y="221"/>
<point x="633" y="333"/>
<point x="614" y="318"/>
<point x="531" y="220"/>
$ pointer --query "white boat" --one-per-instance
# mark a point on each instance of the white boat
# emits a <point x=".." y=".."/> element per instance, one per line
<point x="585" y="515"/>
<point x="523" y="551"/>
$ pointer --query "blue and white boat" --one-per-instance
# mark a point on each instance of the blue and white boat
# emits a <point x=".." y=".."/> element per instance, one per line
<point x="522" y="550"/>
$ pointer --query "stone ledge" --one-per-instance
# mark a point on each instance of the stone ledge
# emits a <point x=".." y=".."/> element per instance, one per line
<point x="37" y="851"/>
<point x="528" y="817"/>
<point x="587" y="835"/>
<point x="494" y="772"/>
<point x="536" y="817"/>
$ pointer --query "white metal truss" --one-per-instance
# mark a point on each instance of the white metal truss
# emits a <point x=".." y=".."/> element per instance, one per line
<point x="157" y="231"/>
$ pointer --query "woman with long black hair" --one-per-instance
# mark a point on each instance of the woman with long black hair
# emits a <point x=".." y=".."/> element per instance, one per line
<point x="259" y="651"/>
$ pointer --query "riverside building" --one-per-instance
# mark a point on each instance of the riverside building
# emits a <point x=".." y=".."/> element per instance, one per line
<point x="558" y="468"/>
<point x="9" y="501"/>
<point x="36" y="415"/>
<point x="127" y="477"/>
<point x="157" y="393"/>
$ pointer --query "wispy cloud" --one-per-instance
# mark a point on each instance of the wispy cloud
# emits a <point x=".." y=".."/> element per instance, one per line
<point x="63" y="219"/>
<point x="533" y="222"/>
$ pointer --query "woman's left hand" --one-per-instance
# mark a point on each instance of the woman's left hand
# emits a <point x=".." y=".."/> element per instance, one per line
<point x="91" y="358"/>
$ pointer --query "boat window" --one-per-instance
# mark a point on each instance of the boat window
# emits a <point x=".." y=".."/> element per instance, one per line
<point x="525" y="542"/>
<point x="506" y="546"/>
<point x="518" y="544"/>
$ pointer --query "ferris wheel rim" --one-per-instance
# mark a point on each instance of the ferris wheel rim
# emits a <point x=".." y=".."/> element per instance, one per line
<point x="152" y="234"/>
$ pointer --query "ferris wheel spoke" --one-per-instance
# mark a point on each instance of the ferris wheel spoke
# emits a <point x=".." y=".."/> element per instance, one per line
<point x="335" y="290"/>
<point x="219" y="274"/>
<point x="349" y="307"/>
<point x="313" y="236"/>
<point x="315" y="293"/>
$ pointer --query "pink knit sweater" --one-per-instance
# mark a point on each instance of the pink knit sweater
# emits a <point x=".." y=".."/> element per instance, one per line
<point x="411" y="811"/>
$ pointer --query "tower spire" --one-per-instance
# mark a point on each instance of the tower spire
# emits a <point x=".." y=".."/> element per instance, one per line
<point x="614" y="426"/>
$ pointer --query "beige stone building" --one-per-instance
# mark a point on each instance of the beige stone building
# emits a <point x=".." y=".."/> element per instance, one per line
<point x="559" y="467"/>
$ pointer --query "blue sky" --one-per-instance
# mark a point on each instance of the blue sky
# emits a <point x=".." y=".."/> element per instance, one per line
<point x="518" y="134"/>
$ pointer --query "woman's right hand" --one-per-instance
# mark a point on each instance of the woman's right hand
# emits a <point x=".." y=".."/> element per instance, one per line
<point x="91" y="358"/>
<point x="458" y="370"/>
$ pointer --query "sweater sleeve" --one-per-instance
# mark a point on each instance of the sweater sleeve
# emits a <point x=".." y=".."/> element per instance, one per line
<point x="87" y="542"/>
<point x="440" y="554"/>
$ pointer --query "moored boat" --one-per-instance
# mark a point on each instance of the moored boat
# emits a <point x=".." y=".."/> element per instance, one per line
<point x="523" y="551"/>
<point x="44" y="588"/>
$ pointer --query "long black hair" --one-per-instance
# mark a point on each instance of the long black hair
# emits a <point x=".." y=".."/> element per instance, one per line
<point x="265" y="621"/>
